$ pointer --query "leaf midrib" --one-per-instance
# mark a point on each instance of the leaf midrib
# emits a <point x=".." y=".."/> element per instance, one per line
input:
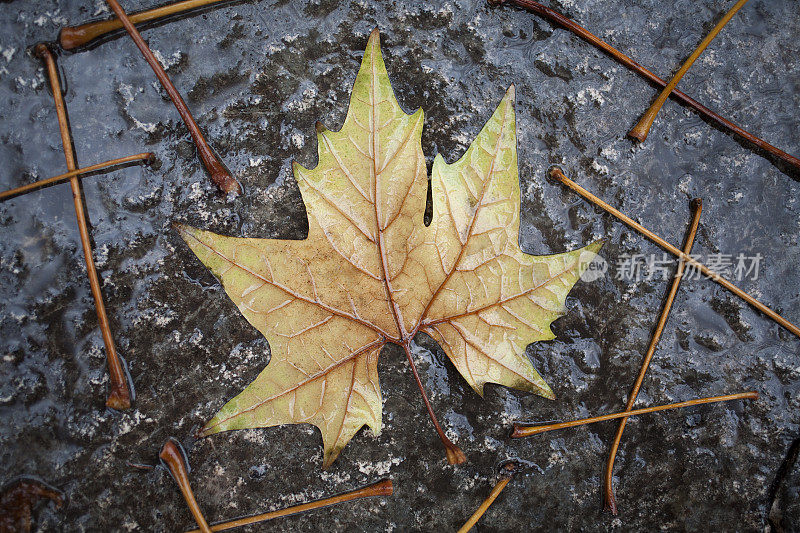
<point x="404" y="337"/>
<point x="457" y="261"/>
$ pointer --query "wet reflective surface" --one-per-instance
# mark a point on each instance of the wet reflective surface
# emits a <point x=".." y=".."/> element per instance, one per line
<point x="257" y="75"/>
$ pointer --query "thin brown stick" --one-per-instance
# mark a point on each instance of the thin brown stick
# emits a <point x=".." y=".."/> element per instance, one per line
<point x="509" y="471"/>
<point x="219" y="174"/>
<point x="381" y="488"/>
<point x="521" y="430"/>
<point x="556" y="173"/>
<point x="642" y="128"/>
<point x="145" y="156"/>
<point x="119" y="395"/>
<point x="76" y="36"/>
<point x="592" y="39"/>
<point x="173" y="457"/>
<point x="611" y="502"/>
<point x="454" y="454"/>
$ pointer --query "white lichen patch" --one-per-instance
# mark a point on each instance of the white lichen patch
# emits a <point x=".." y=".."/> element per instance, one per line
<point x="100" y="8"/>
<point x="492" y="444"/>
<point x="693" y="136"/>
<point x="131" y="525"/>
<point x="588" y="94"/>
<point x="710" y="58"/>
<point x="50" y="17"/>
<point x="96" y="352"/>
<point x="197" y="338"/>
<point x="379" y="468"/>
<point x="684" y="185"/>
<point x="173" y="59"/>
<point x="130" y="422"/>
<point x="475" y="23"/>
<point x="128" y="94"/>
<point x="600" y="169"/>
<point x="303" y="99"/>
<point x="101" y="254"/>
<point x="8" y="53"/>
<point x="610" y="153"/>
<point x="298" y="140"/>
<point x="196" y="193"/>
<point x="255" y="436"/>
<point x="334" y="478"/>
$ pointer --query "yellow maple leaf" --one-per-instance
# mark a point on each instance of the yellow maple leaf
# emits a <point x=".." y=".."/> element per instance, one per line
<point x="371" y="272"/>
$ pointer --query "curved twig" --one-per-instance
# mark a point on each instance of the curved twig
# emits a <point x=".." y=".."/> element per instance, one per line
<point x="219" y="174"/>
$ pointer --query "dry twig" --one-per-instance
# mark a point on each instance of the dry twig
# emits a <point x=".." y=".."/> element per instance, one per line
<point x="75" y="36"/>
<point x="697" y="209"/>
<point x="381" y="488"/>
<point x="557" y="174"/>
<point x="146" y="156"/>
<point x="592" y="39"/>
<point x="174" y="458"/>
<point x="219" y="174"/>
<point x="641" y="129"/>
<point x="119" y="394"/>
<point x="522" y="430"/>
<point x="508" y="470"/>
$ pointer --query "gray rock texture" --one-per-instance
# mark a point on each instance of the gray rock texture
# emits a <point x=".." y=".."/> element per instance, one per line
<point x="257" y="75"/>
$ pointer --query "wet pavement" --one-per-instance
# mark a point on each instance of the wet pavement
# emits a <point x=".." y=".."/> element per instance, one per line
<point x="257" y="76"/>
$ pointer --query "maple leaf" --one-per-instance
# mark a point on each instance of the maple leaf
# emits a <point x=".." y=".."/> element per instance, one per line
<point x="371" y="272"/>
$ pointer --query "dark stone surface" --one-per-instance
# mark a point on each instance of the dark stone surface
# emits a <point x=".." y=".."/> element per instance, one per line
<point x="257" y="75"/>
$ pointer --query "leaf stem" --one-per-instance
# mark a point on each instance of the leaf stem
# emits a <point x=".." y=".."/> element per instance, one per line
<point x="521" y="430"/>
<point x="558" y="174"/>
<point x="610" y="500"/>
<point x="145" y="156"/>
<point x="381" y="488"/>
<point x="509" y="469"/>
<point x="454" y="454"/>
<point x="75" y="36"/>
<point x="219" y="174"/>
<point x="592" y="39"/>
<point x="173" y="457"/>
<point x="642" y="128"/>
<point x="119" y="395"/>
